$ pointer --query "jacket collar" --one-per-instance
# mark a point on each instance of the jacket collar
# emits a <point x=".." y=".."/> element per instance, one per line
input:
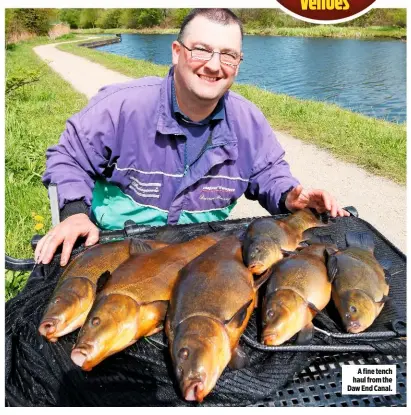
<point x="167" y="124"/>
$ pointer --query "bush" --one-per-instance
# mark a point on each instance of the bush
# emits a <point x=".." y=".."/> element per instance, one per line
<point x="71" y="17"/>
<point x="34" y="20"/>
<point x="58" y="30"/>
<point x="109" y="19"/>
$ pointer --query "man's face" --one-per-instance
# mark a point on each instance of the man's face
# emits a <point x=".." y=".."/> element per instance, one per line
<point x="206" y="80"/>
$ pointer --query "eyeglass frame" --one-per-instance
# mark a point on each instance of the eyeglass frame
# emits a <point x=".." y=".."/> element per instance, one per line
<point x="232" y="65"/>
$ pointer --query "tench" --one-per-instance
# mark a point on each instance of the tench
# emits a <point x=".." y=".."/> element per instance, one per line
<point x="359" y="285"/>
<point x="76" y="290"/>
<point x="134" y="301"/>
<point x="209" y="309"/>
<point x="267" y="240"/>
<point x="298" y="288"/>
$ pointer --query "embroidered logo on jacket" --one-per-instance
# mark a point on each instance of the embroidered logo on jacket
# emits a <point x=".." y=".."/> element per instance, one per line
<point x="223" y="193"/>
<point x="146" y="190"/>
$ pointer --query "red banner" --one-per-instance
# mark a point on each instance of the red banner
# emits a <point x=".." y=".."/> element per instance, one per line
<point x="326" y="9"/>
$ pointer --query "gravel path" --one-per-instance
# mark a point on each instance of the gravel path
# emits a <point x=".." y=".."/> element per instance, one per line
<point x="379" y="201"/>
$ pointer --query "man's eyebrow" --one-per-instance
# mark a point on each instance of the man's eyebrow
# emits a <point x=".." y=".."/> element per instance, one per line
<point x="205" y="45"/>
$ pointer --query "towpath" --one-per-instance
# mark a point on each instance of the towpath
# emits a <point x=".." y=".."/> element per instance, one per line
<point x="379" y="201"/>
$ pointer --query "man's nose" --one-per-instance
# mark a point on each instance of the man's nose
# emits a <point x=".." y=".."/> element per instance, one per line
<point x="214" y="63"/>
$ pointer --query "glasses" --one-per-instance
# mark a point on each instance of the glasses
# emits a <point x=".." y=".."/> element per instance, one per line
<point x="201" y="54"/>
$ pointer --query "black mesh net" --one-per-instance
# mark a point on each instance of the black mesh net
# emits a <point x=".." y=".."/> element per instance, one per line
<point x="39" y="373"/>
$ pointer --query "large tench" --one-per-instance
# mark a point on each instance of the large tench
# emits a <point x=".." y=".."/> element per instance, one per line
<point x="359" y="285"/>
<point x="267" y="238"/>
<point x="134" y="301"/>
<point x="297" y="290"/>
<point x="76" y="290"/>
<point x="210" y="307"/>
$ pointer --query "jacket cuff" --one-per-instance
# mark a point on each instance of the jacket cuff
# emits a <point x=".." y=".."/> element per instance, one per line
<point x="281" y="203"/>
<point x="72" y="208"/>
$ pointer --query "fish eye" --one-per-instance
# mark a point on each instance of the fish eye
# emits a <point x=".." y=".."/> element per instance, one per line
<point x="270" y="313"/>
<point x="57" y="300"/>
<point x="95" y="321"/>
<point x="183" y="353"/>
<point x="353" y="309"/>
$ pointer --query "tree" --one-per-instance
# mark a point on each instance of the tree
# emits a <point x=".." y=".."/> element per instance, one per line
<point x="109" y="18"/>
<point x="149" y="17"/>
<point x="34" y="20"/>
<point x="129" y="18"/>
<point x="178" y="16"/>
<point x="88" y="18"/>
<point x="71" y="17"/>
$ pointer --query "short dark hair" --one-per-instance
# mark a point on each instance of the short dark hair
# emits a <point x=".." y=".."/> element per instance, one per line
<point x="222" y="16"/>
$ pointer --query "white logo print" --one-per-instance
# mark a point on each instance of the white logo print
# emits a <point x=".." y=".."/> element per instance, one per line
<point x="147" y="190"/>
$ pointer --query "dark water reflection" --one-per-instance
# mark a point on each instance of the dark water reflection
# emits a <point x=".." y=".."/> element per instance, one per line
<point x="364" y="76"/>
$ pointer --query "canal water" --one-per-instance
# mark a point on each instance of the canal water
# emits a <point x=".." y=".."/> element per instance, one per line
<point x="365" y="76"/>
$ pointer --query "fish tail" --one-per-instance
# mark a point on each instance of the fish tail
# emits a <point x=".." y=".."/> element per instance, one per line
<point x="362" y="240"/>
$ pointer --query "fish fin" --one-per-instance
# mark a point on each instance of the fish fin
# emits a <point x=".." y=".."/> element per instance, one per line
<point x="138" y="246"/>
<point x="328" y="252"/>
<point x="102" y="280"/>
<point x="386" y="264"/>
<point x="305" y="335"/>
<point x="320" y="239"/>
<point x="238" y="318"/>
<point x="332" y="267"/>
<point x="383" y="300"/>
<point x="363" y="240"/>
<point x="157" y="307"/>
<point x="258" y="282"/>
<point x="308" y="235"/>
<point x="313" y="307"/>
<point x="240" y="234"/>
<point x="239" y="359"/>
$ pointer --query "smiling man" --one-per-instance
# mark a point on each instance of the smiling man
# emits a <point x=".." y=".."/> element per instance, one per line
<point x="168" y="151"/>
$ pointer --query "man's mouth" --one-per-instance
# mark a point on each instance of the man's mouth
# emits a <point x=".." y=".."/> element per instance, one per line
<point x="208" y="78"/>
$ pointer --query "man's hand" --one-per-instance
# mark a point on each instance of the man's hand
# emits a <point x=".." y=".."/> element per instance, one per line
<point x="67" y="233"/>
<point x="320" y="200"/>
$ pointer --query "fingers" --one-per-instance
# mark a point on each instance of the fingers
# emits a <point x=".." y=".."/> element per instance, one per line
<point x="93" y="236"/>
<point x="66" y="233"/>
<point x="49" y="247"/>
<point x="67" y="248"/>
<point x="341" y="212"/>
<point x="293" y="201"/>
<point x="39" y="248"/>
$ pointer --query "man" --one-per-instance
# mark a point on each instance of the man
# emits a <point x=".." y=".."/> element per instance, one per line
<point x="176" y="150"/>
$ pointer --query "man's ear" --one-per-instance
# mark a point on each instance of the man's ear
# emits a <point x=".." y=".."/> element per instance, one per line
<point x="175" y="51"/>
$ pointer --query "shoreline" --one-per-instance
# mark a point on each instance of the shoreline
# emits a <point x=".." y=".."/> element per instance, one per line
<point x="323" y="31"/>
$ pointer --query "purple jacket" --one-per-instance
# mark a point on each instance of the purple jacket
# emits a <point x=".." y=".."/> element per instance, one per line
<point x="128" y="141"/>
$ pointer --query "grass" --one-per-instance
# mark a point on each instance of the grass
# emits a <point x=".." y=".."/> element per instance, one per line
<point x="333" y="31"/>
<point x="313" y="31"/>
<point x="35" y="118"/>
<point x="376" y="145"/>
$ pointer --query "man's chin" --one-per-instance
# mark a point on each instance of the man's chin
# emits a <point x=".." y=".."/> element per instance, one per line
<point x="206" y="95"/>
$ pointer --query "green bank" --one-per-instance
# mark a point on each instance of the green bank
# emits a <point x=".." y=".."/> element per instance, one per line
<point x="35" y="117"/>
<point x="353" y="32"/>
